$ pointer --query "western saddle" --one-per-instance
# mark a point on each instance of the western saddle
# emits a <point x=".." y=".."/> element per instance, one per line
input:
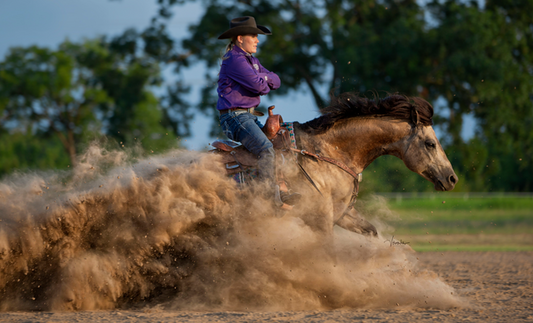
<point x="238" y="159"/>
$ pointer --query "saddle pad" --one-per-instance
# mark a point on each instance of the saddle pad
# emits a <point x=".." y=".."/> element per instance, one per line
<point x="247" y="175"/>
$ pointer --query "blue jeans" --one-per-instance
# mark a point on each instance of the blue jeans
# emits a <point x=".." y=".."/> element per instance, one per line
<point x="245" y="128"/>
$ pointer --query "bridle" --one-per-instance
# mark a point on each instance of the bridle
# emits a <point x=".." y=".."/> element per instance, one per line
<point x="414" y="131"/>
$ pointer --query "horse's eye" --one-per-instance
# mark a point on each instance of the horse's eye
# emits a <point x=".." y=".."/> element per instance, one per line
<point x="431" y="144"/>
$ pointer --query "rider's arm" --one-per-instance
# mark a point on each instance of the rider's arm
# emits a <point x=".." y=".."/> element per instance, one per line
<point x="242" y="72"/>
<point x="273" y="79"/>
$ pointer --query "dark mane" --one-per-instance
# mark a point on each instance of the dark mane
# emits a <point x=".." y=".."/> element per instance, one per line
<point x="350" y="105"/>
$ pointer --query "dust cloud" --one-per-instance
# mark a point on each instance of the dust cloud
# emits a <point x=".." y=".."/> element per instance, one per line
<point x="173" y="231"/>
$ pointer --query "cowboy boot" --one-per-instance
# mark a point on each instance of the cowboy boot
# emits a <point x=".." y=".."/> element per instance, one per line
<point x="266" y="165"/>
<point x="286" y="197"/>
<point x="267" y="173"/>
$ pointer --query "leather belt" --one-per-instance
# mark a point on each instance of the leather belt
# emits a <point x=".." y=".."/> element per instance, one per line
<point x="250" y="110"/>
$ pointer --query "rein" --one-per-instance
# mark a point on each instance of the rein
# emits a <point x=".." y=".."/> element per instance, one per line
<point x="337" y="163"/>
<point x="341" y="165"/>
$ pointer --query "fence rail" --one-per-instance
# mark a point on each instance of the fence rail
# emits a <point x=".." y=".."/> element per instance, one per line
<point x="463" y="195"/>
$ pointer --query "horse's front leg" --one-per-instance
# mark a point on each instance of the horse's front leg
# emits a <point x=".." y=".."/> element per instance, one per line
<point x="319" y="218"/>
<point x="327" y="236"/>
<point x="351" y="220"/>
<point x="322" y="224"/>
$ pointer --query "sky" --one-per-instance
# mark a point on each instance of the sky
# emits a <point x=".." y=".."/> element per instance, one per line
<point x="49" y="22"/>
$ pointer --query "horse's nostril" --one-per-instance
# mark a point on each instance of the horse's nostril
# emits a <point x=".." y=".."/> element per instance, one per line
<point x="452" y="179"/>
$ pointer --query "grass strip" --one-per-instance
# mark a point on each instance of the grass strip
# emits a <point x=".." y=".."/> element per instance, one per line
<point x="434" y="248"/>
<point x="469" y="242"/>
<point x="459" y="216"/>
<point x="472" y="204"/>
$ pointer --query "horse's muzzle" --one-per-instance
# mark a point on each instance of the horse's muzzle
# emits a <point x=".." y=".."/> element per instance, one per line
<point x="442" y="183"/>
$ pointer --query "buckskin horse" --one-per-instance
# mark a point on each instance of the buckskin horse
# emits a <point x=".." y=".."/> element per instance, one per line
<point x="335" y="148"/>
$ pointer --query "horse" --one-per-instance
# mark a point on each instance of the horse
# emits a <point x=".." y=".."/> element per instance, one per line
<point x="335" y="147"/>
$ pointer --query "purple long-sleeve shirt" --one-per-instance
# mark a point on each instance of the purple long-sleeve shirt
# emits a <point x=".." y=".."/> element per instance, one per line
<point x="242" y="80"/>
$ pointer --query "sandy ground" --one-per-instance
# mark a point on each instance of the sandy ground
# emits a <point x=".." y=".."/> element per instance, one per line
<point x="498" y="285"/>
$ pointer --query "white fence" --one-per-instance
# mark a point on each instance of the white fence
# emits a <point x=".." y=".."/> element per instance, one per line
<point x="463" y="195"/>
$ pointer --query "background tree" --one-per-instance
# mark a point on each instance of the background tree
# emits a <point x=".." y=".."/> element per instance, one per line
<point x="80" y="92"/>
<point x="24" y="150"/>
<point x="467" y="59"/>
<point x="44" y="91"/>
<point x="484" y="68"/>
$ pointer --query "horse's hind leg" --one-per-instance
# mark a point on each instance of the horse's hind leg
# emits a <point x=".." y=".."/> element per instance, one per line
<point x="353" y="221"/>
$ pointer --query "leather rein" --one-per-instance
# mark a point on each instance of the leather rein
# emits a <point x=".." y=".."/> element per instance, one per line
<point x="341" y="165"/>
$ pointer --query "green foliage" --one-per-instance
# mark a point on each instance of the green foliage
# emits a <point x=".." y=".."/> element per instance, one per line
<point x="44" y="91"/>
<point x="24" y="151"/>
<point x="82" y="91"/>
<point x="486" y="68"/>
<point x="148" y="129"/>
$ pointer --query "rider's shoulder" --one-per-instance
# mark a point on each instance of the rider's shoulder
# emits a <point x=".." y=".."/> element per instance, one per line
<point x="232" y="57"/>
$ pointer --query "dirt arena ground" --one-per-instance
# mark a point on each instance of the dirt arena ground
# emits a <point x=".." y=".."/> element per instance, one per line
<point x="498" y="285"/>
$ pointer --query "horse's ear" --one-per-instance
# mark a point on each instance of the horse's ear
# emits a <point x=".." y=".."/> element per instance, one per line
<point x="415" y="117"/>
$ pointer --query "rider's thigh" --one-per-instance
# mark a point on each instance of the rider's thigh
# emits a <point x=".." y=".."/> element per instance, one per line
<point x="251" y="135"/>
<point x="228" y="124"/>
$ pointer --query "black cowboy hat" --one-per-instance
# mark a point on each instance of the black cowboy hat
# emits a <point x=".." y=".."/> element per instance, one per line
<point x="244" y="26"/>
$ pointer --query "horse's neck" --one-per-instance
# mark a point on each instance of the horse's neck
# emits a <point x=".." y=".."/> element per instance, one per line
<point x="358" y="142"/>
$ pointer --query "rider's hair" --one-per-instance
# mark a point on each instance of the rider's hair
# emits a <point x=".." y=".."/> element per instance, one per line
<point x="229" y="47"/>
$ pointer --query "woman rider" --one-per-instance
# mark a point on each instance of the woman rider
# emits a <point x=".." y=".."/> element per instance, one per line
<point x="242" y="80"/>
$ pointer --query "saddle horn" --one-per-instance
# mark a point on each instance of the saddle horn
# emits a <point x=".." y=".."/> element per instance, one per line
<point x="273" y="123"/>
